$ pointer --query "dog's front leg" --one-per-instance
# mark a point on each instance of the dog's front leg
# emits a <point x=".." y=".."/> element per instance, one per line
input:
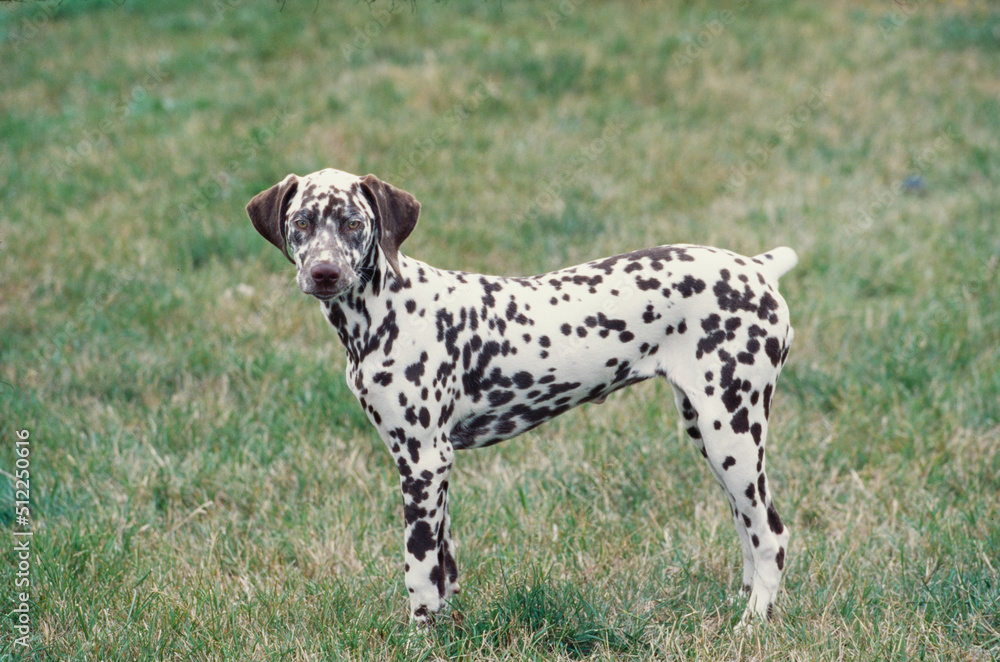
<point x="431" y="574"/>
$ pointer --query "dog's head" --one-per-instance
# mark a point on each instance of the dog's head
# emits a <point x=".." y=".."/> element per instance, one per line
<point x="332" y="224"/>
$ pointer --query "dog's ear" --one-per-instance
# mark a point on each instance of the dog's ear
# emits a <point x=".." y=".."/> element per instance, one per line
<point x="396" y="213"/>
<point x="267" y="210"/>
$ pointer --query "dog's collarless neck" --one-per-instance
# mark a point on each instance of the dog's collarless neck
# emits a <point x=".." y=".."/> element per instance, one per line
<point x="360" y="317"/>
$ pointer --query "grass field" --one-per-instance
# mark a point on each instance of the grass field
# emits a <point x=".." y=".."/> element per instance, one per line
<point x="203" y="486"/>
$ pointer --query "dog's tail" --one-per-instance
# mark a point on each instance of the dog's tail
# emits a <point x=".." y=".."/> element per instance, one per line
<point x="777" y="262"/>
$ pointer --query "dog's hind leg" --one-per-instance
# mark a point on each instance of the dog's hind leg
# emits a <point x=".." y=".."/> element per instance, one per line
<point x="691" y="425"/>
<point x="733" y="444"/>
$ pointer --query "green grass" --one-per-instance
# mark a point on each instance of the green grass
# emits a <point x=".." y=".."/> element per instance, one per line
<point x="203" y="484"/>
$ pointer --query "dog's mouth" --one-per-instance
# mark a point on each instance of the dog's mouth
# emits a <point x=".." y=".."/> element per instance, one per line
<point x="324" y="291"/>
<point x="325" y="294"/>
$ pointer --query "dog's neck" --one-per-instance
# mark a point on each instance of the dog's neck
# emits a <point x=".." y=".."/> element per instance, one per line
<point x="362" y="325"/>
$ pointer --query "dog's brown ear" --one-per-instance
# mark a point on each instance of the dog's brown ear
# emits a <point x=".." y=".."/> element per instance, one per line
<point x="396" y="213"/>
<point x="267" y="211"/>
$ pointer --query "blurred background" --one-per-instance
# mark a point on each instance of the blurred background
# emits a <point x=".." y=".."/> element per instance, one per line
<point x="203" y="484"/>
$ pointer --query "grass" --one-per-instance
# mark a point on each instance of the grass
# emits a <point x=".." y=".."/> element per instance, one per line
<point x="203" y="485"/>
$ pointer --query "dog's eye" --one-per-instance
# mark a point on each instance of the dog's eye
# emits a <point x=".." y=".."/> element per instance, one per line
<point x="354" y="225"/>
<point x="302" y="223"/>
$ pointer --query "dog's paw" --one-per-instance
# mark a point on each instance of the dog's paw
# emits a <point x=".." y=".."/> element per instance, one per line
<point x="753" y="620"/>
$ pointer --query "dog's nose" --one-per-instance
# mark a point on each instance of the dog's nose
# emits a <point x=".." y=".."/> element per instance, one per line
<point x="325" y="273"/>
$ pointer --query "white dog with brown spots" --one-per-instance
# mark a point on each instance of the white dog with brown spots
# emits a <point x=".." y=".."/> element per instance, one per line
<point x="444" y="360"/>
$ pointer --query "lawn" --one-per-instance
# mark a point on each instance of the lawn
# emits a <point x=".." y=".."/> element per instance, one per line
<point x="203" y="486"/>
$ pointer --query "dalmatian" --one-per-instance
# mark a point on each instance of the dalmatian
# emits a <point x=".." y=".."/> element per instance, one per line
<point x="443" y="361"/>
